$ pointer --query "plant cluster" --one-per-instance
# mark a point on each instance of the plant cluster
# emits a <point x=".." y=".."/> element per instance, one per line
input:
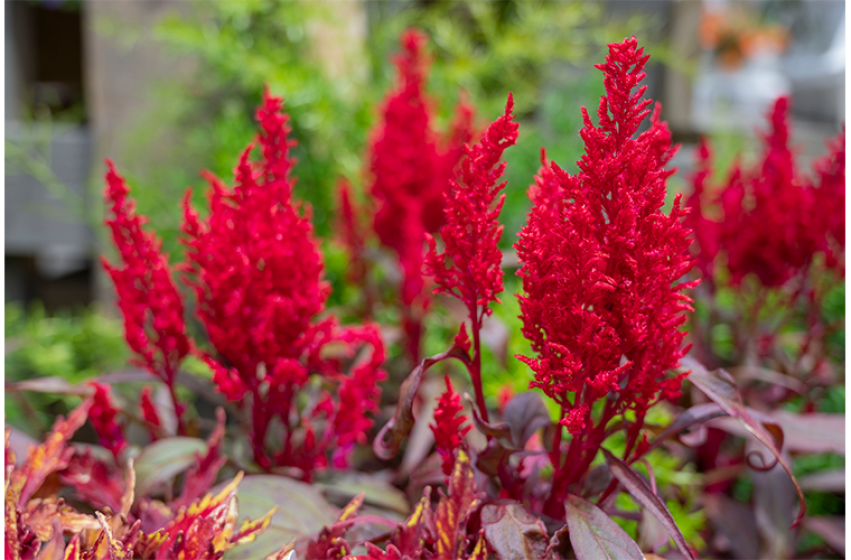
<point x="607" y="276"/>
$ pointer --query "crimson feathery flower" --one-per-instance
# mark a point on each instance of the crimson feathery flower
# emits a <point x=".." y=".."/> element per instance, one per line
<point x="705" y="246"/>
<point x="830" y="199"/>
<point x="770" y="227"/>
<point x="256" y="268"/>
<point x="469" y="266"/>
<point x="602" y="266"/>
<point x="147" y="296"/>
<point x="447" y="429"/>
<point x="410" y="169"/>
<point x="102" y="415"/>
<point x="350" y="233"/>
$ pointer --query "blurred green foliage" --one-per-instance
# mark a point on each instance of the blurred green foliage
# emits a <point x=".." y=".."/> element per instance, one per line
<point x="74" y="347"/>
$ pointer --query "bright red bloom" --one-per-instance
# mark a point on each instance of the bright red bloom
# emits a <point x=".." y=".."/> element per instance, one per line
<point x="152" y="307"/>
<point x="447" y="429"/>
<point x="102" y="415"/>
<point x="256" y="269"/>
<point x="350" y="233"/>
<point x="469" y="266"/>
<point x="771" y="226"/>
<point x="705" y="246"/>
<point x="830" y="199"/>
<point x="602" y="268"/>
<point x="410" y="171"/>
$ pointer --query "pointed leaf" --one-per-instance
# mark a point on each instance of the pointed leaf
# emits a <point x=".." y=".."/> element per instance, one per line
<point x="302" y="511"/>
<point x="694" y="415"/>
<point x="453" y="509"/>
<point x="164" y="459"/>
<point x="377" y="492"/>
<point x="51" y="455"/>
<point x="595" y="536"/>
<point x="645" y="496"/>
<point x="525" y="414"/>
<point x="403" y="419"/>
<point x="480" y="552"/>
<point x="513" y="533"/>
<point x="721" y="388"/>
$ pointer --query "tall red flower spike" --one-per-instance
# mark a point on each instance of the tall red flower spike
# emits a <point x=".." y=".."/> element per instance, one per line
<point x="830" y="195"/>
<point x="410" y="170"/>
<point x="469" y="268"/>
<point x="447" y="429"/>
<point x="152" y="307"/>
<point x="601" y="271"/>
<point x="705" y="246"/>
<point x="102" y="415"/>
<point x="351" y="234"/>
<point x="256" y="269"/>
<point x="771" y="227"/>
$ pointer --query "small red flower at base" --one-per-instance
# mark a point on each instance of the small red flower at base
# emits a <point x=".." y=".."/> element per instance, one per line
<point x="102" y="415"/>
<point x="447" y="429"/>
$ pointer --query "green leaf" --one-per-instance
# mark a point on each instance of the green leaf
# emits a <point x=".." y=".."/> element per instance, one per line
<point x="301" y="511"/>
<point x="595" y="536"/>
<point x="379" y="493"/>
<point x="164" y="459"/>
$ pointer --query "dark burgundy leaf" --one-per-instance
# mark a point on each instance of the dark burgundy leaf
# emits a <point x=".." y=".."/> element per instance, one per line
<point x="735" y="522"/>
<point x="525" y="414"/>
<point x="645" y="496"/>
<point x="513" y="533"/>
<point x="721" y="388"/>
<point x="774" y="503"/>
<point x="694" y="415"/>
<point x="595" y="536"/>
<point x="403" y="419"/>
<point x="494" y="455"/>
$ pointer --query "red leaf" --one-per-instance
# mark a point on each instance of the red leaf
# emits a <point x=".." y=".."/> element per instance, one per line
<point x="514" y="533"/>
<point x="594" y="536"/>
<point x="644" y="495"/>
<point x="721" y="388"/>
<point x="403" y="419"/>
<point x="453" y="510"/>
<point x="694" y="415"/>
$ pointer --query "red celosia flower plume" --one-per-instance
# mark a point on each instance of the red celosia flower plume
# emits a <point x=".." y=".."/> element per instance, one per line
<point x="152" y="307"/>
<point x="601" y="271"/>
<point x="256" y="269"/>
<point x="705" y="246"/>
<point x="410" y="169"/>
<point x="830" y="195"/>
<point x="770" y="226"/>
<point x="102" y="415"/>
<point x="447" y="429"/>
<point x="469" y="266"/>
